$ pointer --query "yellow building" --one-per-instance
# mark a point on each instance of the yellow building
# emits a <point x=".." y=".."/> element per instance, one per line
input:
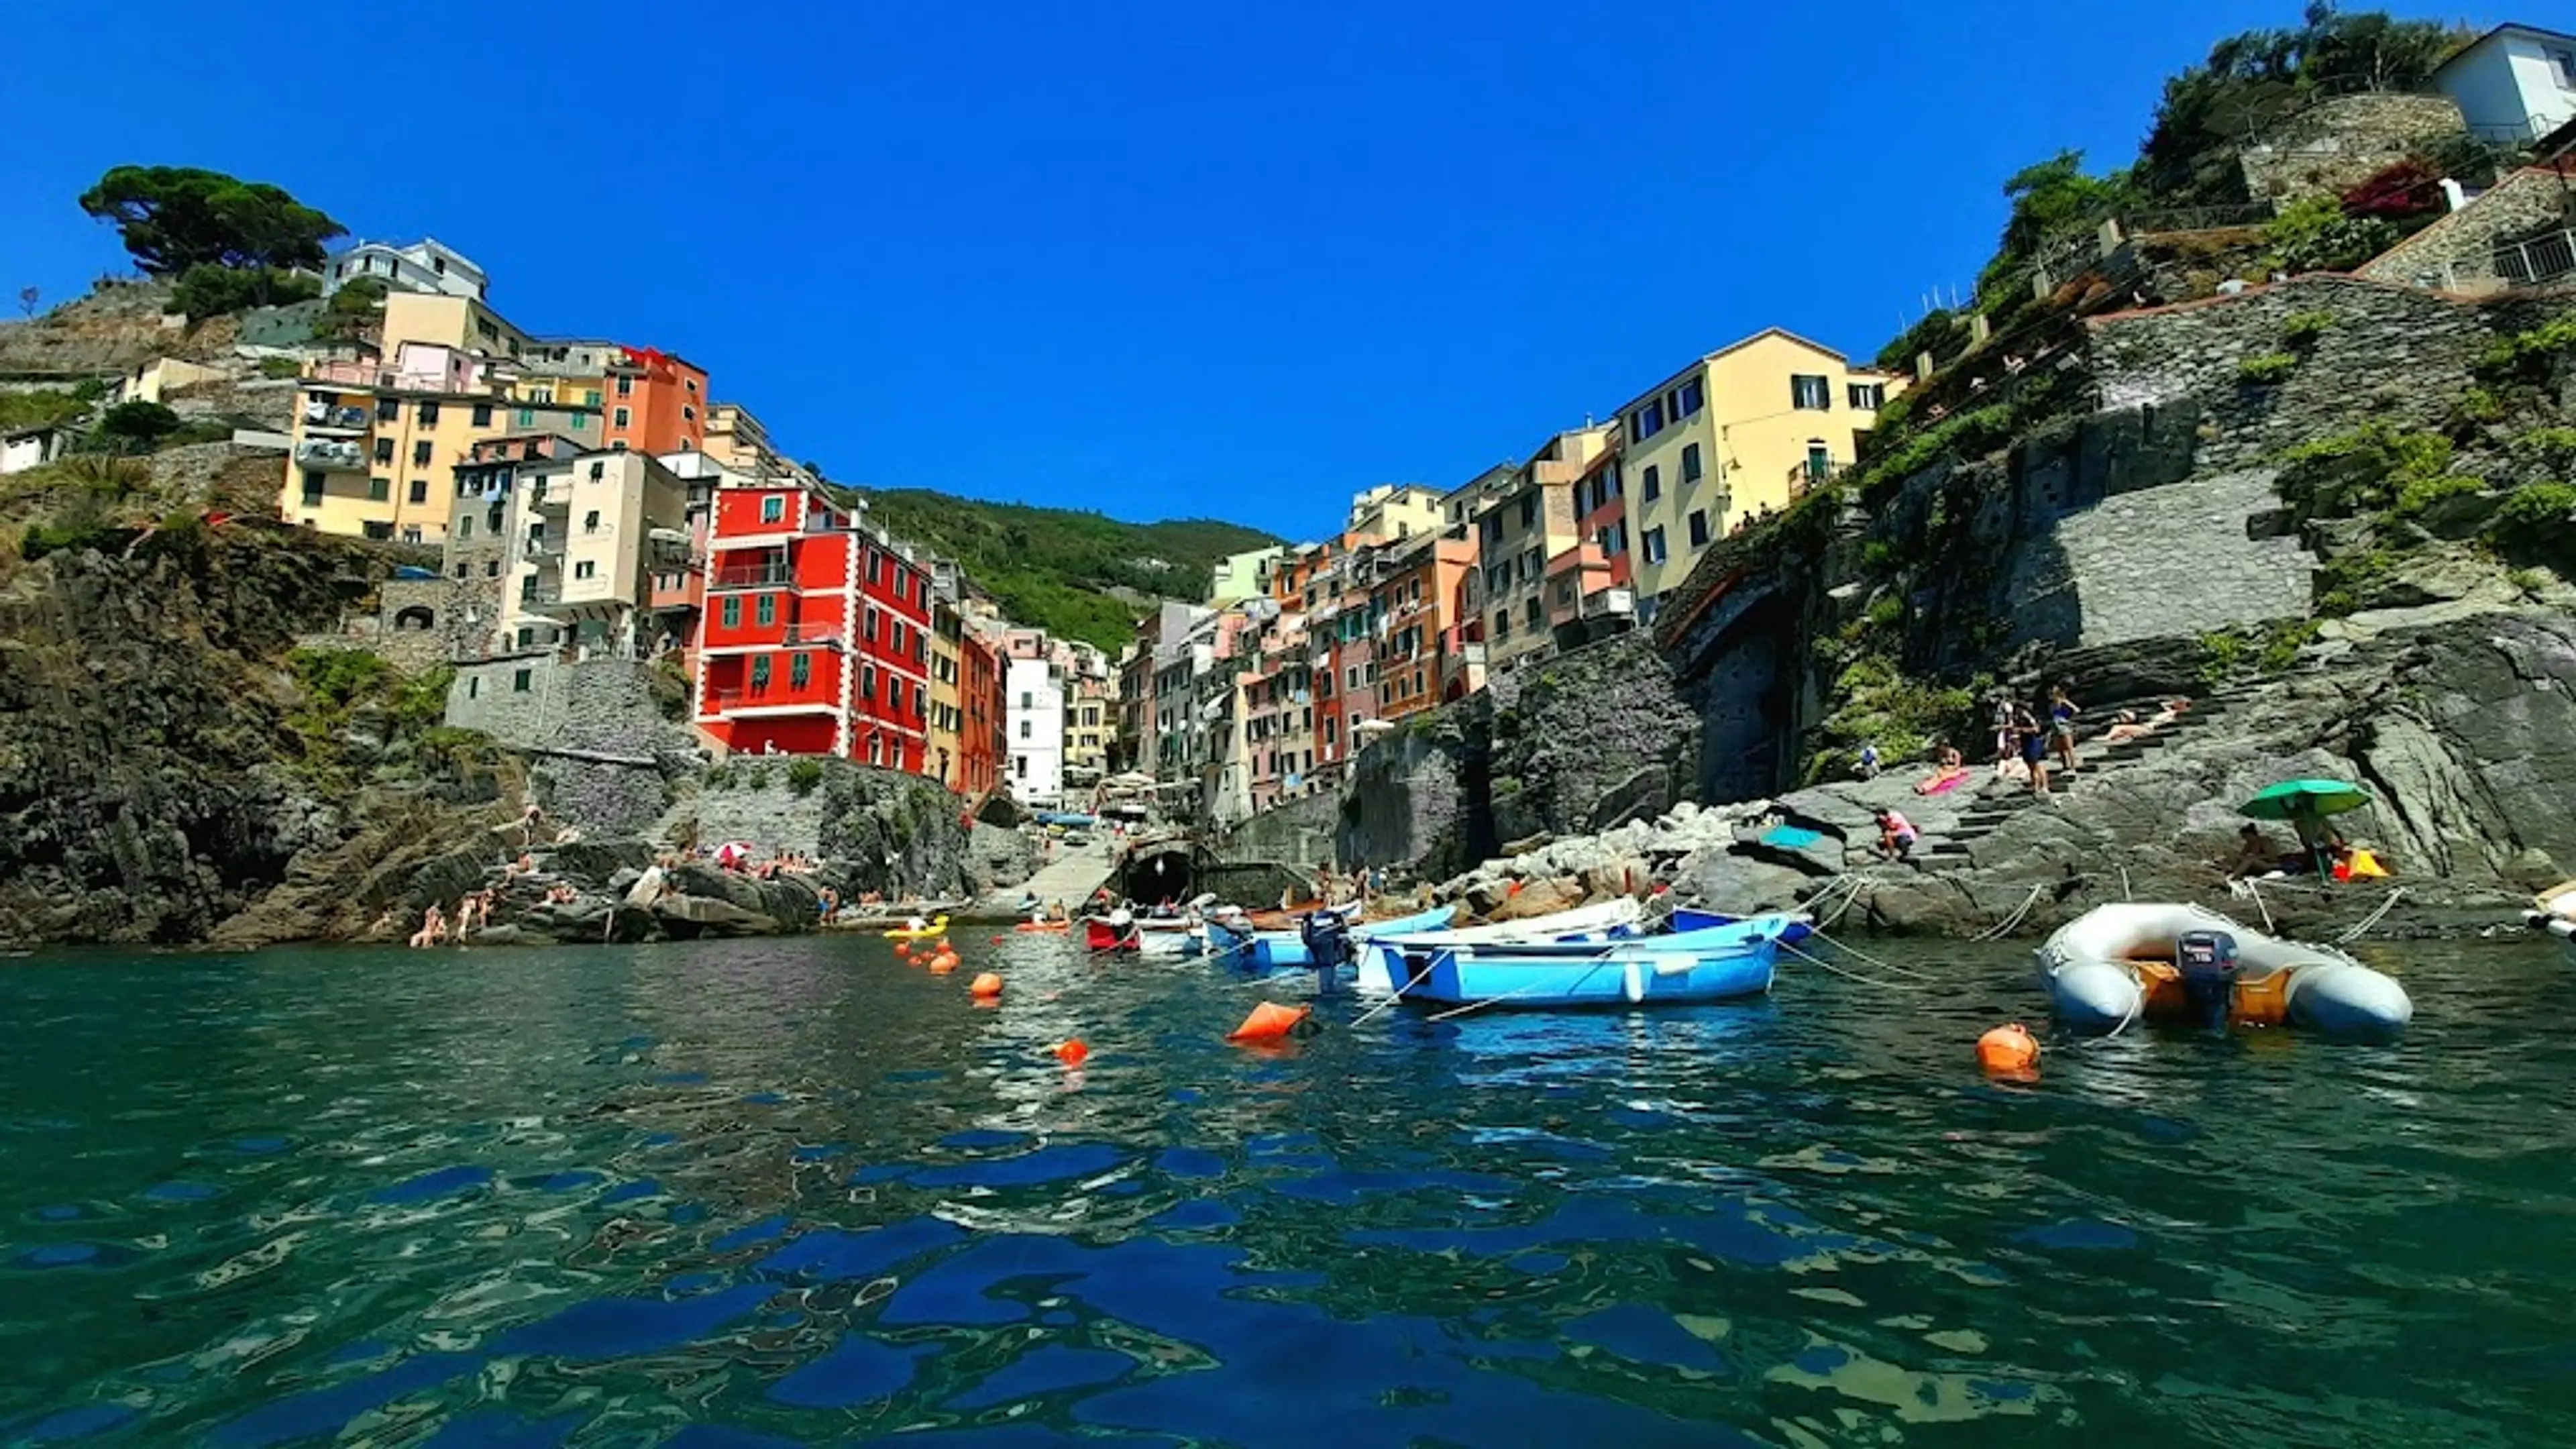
<point x="1391" y="511"/>
<point x="1742" y="432"/>
<point x="739" y="441"/>
<point x="946" y="759"/>
<point x="461" y="322"/>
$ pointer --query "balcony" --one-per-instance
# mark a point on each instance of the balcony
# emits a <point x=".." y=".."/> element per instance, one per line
<point x="753" y="576"/>
<point x="329" y="453"/>
<point x="323" y="417"/>
<point x="1609" y="603"/>
<point x="764" y="702"/>
<point x="813" y="636"/>
<point x="578" y="597"/>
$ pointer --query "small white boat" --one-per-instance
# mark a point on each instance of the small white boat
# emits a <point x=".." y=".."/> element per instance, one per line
<point x="1169" y="939"/>
<point x="2556" y="915"/>
<point x="2151" y="961"/>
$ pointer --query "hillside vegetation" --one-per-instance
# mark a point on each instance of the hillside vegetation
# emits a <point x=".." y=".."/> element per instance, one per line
<point x="1076" y="574"/>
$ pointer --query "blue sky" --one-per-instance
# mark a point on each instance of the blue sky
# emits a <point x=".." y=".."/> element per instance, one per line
<point x="1155" y="258"/>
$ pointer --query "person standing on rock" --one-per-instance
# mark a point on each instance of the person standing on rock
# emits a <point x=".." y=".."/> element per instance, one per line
<point x="2061" y="726"/>
<point x="2034" y="747"/>
<point x="2007" y="743"/>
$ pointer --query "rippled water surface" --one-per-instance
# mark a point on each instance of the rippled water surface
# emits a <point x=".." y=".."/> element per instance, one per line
<point x="795" y="1192"/>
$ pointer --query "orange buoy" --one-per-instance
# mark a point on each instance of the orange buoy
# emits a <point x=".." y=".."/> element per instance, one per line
<point x="997" y="940"/>
<point x="2009" y="1051"/>
<point x="941" y="966"/>
<point x="984" y="986"/>
<point x="1270" y="1021"/>
<point x="1072" y="1053"/>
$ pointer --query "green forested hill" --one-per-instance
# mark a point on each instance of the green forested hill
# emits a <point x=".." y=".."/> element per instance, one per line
<point x="1055" y="568"/>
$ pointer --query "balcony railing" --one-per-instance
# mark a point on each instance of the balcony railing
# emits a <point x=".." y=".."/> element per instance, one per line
<point x="727" y="701"/>
<point x="752" y="576"/>
<point x="329" y="453"/>
<point x="813" y="634"/>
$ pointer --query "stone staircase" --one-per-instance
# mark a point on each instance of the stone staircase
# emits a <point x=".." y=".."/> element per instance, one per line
<point x="1998" y="801"/>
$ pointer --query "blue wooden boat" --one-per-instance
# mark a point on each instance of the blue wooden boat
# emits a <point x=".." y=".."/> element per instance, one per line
<point x="1274" y="949"/>
<point x="1716" y="963"/>
<point x="1686" y="919"/>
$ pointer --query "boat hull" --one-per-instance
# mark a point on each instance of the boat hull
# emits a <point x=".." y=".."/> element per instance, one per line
<point x="1101" y="934"/>
<point x="1274" y="949"/>
<point x="1616" y="977"/>
<point x="2111" y="967"/>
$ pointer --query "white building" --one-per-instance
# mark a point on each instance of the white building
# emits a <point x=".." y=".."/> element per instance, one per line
<point x="424" y="266"/>
<point x="1033" y="726"/>
<point x="2516" y="82"/>
<point x="32" y="447"/>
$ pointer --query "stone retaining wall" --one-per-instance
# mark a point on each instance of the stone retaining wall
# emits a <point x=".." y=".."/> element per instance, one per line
<point x="2333" y="146"/>
<point x="2458" y="251"/>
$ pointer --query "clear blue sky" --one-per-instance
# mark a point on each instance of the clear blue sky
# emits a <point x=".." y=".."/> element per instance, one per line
<point x="1151" y="257"/>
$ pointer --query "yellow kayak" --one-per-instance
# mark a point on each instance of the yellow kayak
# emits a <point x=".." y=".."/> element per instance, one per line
<point x="938" y="927"/>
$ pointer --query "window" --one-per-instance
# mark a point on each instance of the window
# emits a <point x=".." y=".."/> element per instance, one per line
<point x="2565" y="61"/>
<point x="464" y="527"/>
<point x="800" y="670"/>
<point x="759" y="673"/>
<point x="1699" y="528"/>
<point x="868" y="682"/>
<point x="1810" y="392"/>
<point x="388" y="409"/>
<point x="773" y="510"/>
<point x="1026" y="730"/>
<point x="875" y="560"/>
<point x="1690" y="463"/>
<point x="590" y="521"/>
<point x="527" y="417"/>
<point x="429" y="415"/>
<point x="1532" y="614"/>
<point x="474" y="686"/>
<point x="412" y="534"/>
<point x="1529" y="510"/>
<point x="598" y="470"/>
<point x="590" y="396"/>
<point x="1027" y="700"/>
<point x="1647" y="421"/>
<point x="732" y="612"/>
<point x="420" y="490"/>
<point x="1692" y="399"/>
<point x="764" y="610"/>
<point x="384" y="450"/>
<point x="576" y="420"/>
<point x="870" y="629"/>
<point x="312" y="489"/>
<point x="625" y="388"/>
<point x="379" y="489"/>
<point x="619" y="418"/>
<point x="688" y="412"/>
<point x="1654" y="539"/>
<point x="420" y="453"/>
<point x="491" y="568"/>
<point x="1866" y="397"/>
<point x="1502" y="625"/>
<point x="1820" y="461"/>
<point x="519" y="680"/>
<point x="1652" y="483"/>
<point x="586" y="569"/>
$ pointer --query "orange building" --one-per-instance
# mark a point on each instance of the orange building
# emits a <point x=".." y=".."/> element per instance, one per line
<point x="981" y="746"/>
<point x="1421" y="597"/>
<point x="655" y="403"/>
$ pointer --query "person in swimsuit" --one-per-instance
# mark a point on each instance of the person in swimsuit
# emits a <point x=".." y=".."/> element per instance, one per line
<point x="2061" y="727"/>
<point x="2034" y="747"/>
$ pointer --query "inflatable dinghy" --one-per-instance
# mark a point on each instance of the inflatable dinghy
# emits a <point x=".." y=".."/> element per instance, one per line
<point x="2142" y="961"/>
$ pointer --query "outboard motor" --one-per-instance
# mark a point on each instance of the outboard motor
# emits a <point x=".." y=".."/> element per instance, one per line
<point x="2207" y="960"/>
<point x="1328" y="948"/>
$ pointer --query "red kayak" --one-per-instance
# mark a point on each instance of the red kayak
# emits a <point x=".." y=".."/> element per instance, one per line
<point x="1101" y="934"/>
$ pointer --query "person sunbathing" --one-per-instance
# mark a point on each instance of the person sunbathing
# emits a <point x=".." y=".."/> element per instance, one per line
<point x="2127" y="725"/>
<point x="1946" y="774"/>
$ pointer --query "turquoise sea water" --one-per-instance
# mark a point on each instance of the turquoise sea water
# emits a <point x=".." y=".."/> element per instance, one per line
<point x="795" y="1192"/>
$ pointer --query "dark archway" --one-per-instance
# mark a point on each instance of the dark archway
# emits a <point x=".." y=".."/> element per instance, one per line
<point x="415" y="619"/>
<point x="1158" y="874"/>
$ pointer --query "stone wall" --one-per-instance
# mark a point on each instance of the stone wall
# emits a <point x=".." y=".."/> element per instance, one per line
<point x="2187" y="558"/>
<point x="2391" y="353"/>
<point x="1409" y="799"/>
<point x="2457" y="253"/>
<point x="604" y="755"/>
<point x="752" y="799"/>
<point x="1301" y="832"/>
<point x="882" y="830"/>
<point x="2333" y="146"/>
<point x="1589" y="739"/>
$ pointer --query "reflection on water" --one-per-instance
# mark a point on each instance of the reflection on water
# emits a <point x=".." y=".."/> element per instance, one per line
<point x="787" y="1192"/>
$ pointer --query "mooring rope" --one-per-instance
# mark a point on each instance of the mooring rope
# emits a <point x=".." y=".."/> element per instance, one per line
<point x="1852" y="950"/>
<point x="1844" y="971"/>
<point x="2368" y="921"/>
<point x="2003" y="928"/>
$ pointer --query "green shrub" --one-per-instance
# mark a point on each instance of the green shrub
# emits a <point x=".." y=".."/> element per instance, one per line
<point x="2553" y="448"/>
<point x="2528" y="357"/>
<point x="2359" y="472"/>
<point x="2302" y="329"/>
<point x="337" y="678"/>
<point x="278" y="369"/>
<point x="1876" y="703"/>
<point x="759" y="777"/>
<point x="140" y="422"/>
<point x="2537" y="507"/>
<point x="720" y="777"/>
<point x="804" y="775"/>
<point x="211" y="290"/>
<point x="2267" y="369"/>
<point x="42" y="408"/>
<point x="1877" y="557"/>
<point x="2422" y="493"/>
<point x="2313" y="235"/>
<point x="2478" y="405"/>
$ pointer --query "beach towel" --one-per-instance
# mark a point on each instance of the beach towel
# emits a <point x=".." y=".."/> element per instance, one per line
<point x="1946" y="786"/>
<point x="1790" y="837"/>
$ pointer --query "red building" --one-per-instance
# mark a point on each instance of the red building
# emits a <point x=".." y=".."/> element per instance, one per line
<point x="814" y="636"/>
<point x="981" y="745"/>
<point x="657" y="403"/>
<point x="1601" y="516"/>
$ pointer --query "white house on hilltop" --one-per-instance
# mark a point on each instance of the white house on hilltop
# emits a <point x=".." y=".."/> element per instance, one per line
<point x="426" y="265"/>
<point x="2515" y="82"/>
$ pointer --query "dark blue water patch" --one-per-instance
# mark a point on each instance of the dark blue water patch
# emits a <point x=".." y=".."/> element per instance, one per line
<point x="1722" y="1229"/>
<point x="323" y="1411"/>
<point x="1189" y="1162"/>
<point x="1538" y="1265"/>
<point x="571" y="1181"/>
<point x="491" y="1429"/>
<point x="608" y="1328"/>
<point x="858" y="1370"/>
<point x="1821" y="1359"/>
<point x="983" y="1139"/>
<point x="832" y="1255"/>
<point x="1125" y="1187"/>
<point x="716" y="1436"/>
<point x="259" y="1146"/>
<point x="680" y="1079"/>
<point x="65" y="1425"/>
<point x="919" y="1074"/>
<point x="182" y="1192"/>
<point x="1642" y="1334"/>
<point x="1188" y="1096"/>
<point x="689" y="1285"/>
<point x="1641" y="1117"/>
<point x="642" y="1187"/>
<point x="445" y="1182"/>
<point x="1195" y="1215"/>
<point x="765" y="1099"/>
<point x="767" y="1230"/>
<point x="1344" y="1188"/>
<point x="2080" y="1235"/>
<point x="1053" y="1163"/>
<point x="689" y="1213"/>
<point x="2166" y="1129"/>
<point x="71" y="1255"/>
<point x="656" y="1139"/>
<point x="363" y="1350"/>
<point x="1050" y="1368"/>
<point x="1032" y="1436"/>
<point x="954" y="1292"/>
<point x="61" y="1212"/>
<point x="2002" y="1391"/>
<point x="821" y="1153"/>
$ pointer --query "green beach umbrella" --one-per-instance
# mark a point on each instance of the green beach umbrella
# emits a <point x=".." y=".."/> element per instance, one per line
<point x="2304" y="797"/>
